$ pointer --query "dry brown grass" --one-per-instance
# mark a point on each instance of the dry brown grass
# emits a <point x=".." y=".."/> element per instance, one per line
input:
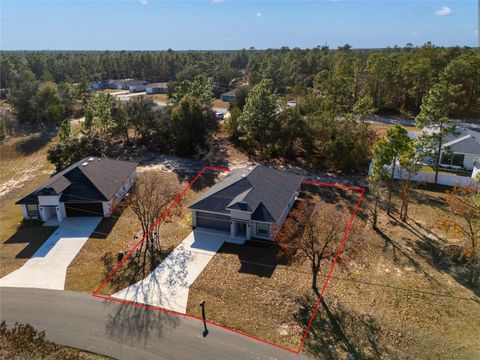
<point x="381" y="129"/>
<point x="398" y="300"/>
<point x="159" y="97"/>
<point x="221" y="104"/>
<point x="24" y="167"/>
<point x="393" y="300"/>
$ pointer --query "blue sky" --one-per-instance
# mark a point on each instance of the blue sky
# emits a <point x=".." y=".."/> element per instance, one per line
<point x="229" y="24"/>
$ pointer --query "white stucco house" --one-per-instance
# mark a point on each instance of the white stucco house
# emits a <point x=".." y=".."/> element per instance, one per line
<point x="92" y="186"/>
<point x="248" y="203"/>
<point x="461" y="150"/>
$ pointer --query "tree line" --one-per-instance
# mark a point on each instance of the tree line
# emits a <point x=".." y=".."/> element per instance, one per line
<point x="396" y="78"/>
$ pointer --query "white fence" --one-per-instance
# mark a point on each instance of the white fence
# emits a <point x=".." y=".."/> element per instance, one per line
<point x="429" y="177"/>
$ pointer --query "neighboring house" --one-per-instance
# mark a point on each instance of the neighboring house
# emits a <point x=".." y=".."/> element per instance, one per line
<point x="157" y="88"/>
<point x="248" y="203"/>
<point x="116" y="84"/>
<point x="97" y="85"/>
<point x="136" y="85"/>
<point x="90" y="187"/>
<point x="461" y="150"/>
<point x="229" y="96"/>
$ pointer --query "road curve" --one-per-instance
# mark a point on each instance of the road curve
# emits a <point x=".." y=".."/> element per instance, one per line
<point x="126" y="332"/>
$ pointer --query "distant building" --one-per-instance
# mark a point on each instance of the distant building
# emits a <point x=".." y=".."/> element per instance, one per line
<point x="97" y="85"/>
<point x="157" y="88"/>
<point x="116" y="84"/>
<point x="136" y="85"/>
<point x="229" y="96"/>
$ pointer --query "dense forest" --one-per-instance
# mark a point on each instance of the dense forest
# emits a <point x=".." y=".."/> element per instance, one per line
<point x="396" y="78"/>
<point x="334" y="91"/>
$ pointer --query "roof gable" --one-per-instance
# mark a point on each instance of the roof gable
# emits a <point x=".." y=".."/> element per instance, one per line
<point x="93" y="179"/>
<point x="261" y="190"/>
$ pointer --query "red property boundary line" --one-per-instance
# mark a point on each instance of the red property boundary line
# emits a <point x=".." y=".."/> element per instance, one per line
<point x="175" y="201"/>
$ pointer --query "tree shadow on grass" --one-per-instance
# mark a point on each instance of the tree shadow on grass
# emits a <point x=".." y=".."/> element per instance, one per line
<point x="398" y="251"/>
<point x="33" y="144"/>
<point x="132" y="324"/>
<point x="336" y="333"/>
<point x="434" y="249"/>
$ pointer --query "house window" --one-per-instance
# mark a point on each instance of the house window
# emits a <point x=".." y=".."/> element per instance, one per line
<point x="458" y="160"/>
<point x="452" y="159"/>
<point x="32" y="210"/>
<point x="263" y="229"/>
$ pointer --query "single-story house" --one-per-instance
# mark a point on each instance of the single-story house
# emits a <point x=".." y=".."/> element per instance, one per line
<point x="97" y="85"/>
<point x="229" y="96"/>
<point x="248" y="203"/>
<point x="461" y="150"/>
<point x="157" y="88"/>
<point x="116" y="84"/>
<point x="136" y="85"/>
<point x="92" y="186"/>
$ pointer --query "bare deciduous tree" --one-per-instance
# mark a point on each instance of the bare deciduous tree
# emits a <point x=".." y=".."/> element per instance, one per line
<point x="314" y="233"/>
<point x="149" y="199"/>
<point x="464" y="203"/>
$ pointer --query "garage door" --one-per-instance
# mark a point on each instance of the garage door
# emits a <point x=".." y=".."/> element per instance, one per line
<point x="213" y="221"/>
<point x="84" y="209"/>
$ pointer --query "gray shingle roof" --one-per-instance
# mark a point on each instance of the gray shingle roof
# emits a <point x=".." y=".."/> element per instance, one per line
<point x="98" y="181"/>
<point x="261" y="190"/>
<point x="463" y="141"/>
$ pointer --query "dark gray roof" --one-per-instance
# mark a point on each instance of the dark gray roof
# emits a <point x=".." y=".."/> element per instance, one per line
<point x="99" y="180"/>
<point x="136" y="82"/>
<point x="261" y="190"/>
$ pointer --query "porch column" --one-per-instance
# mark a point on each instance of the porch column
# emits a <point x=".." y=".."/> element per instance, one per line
<point x="194" y="218"/>
<point x="232" y="229"/>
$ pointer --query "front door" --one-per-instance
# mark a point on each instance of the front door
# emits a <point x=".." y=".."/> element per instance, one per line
<point x="241" y="229"/>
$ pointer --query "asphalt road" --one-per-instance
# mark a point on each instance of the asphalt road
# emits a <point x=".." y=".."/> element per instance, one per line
<point x="126" y="332"/>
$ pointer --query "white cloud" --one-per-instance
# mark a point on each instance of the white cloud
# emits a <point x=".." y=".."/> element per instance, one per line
<point x="443" y="11"/>
<point x="414" y="33"/>
<point x="259" y="14"/>
<point x="217" y="1"/>
<point x="143" y="2"/>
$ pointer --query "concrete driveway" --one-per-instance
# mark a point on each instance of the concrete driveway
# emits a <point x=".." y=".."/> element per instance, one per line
<point x="168" y="285"/>
<point x="47" y="268"/>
